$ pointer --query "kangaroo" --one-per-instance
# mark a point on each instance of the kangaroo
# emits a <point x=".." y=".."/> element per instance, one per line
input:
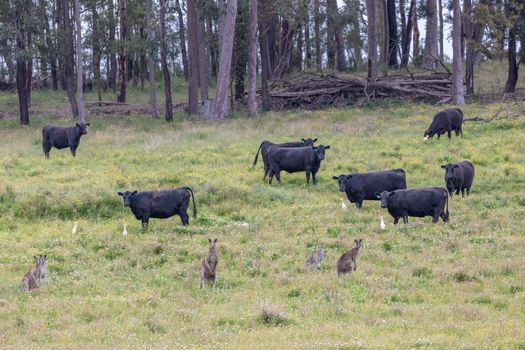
<point x="315" y="260"/>
<point x="34" y="278"/>
<point x="344" y="264"/>
<point x="208" y="269"/>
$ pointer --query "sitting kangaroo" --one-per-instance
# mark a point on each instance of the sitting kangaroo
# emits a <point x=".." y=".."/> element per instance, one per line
<point x="315" y="260"/>
<point x="208" y="269"/>
<point x="34" y="278"/>
<point x="344" y="264"/>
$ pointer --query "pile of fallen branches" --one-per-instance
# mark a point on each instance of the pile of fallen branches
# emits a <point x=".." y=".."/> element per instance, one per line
<point x="37" y="82"/>
<point x="314" y="91"/>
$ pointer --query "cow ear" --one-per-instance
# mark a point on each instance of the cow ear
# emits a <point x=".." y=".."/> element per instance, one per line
<point x="77" y="124"/>
<point x="120" y="193"/>
<point x="87" y="124"/>
<point x="335" y="177"/>
<point x="348" y="177"/>
<point x="326" y="147"/>
<point x="378" y="195"/>
<point x="314" y="140"/>
<point x="443" y="167"/>
<point x="134" y="192"/>
<point x="303" y="140"/>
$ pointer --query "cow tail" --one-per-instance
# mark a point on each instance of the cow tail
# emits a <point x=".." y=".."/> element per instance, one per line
<point x="257" y="155"/>
<point x="193" y="200"/>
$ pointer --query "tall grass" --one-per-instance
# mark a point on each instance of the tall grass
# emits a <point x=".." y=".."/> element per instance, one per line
<point x="417" y="286"/>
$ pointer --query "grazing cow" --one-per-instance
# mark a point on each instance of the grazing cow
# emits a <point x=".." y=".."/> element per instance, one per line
<point x="58" y="137"/>
<point x="459" y="176"/>
<point x="34" y="277"/>
<point x="293" y="160"/>
<point x="361" y="186"/>
<point x="266" y="145"/>
<point x="160" y="204"/>
<point x="445" y="121"/>
<point x="349" y="259"/>
<point x="418" y="202"/>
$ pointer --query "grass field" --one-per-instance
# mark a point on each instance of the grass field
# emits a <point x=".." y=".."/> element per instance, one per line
<point x="421" y="286"/>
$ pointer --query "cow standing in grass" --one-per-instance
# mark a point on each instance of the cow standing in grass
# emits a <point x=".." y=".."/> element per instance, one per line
<point x="265" y="146"/>
<point x="445" y="121"/>
<point x="59" y="137"/>
<point x="294" y="160"/>
<point x="159" y="204"/>
<point x="459" y="177"/>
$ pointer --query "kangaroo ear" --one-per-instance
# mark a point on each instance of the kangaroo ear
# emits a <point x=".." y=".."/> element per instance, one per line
<point x="355" y="240"/>
<point x="87" y="124"/>
<point x="209" y="240"/>
<point x="45" y="255"/>
<point x="215" y="241"/>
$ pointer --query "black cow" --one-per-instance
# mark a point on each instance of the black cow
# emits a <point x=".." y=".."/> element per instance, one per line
<point x="445" y="121"/>
<point x="160" y="204"/>
<point x="293" y="160"/>
<point x="361" y="186"/>
<point x="58" y="137"/>
<point x="418" y="202"/>
<point x="459" y="176"/>
<point x="265" y="146"/>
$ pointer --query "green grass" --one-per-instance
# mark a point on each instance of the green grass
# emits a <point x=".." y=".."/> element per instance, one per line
<point x="453" y="286"/>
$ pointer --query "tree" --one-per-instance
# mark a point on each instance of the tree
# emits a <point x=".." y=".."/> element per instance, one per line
<point x="193" y="60"/>
<point x="392" y="34"/>
<point x="121" y="97"/>
<point x="80" y="64"/>
<point x="96" y="45"/>
<point x="317" y="35"/>
<point x="252" y="59"/>
<point x="431" y="53"/>
<point x="240" y="52"/>
<point x="21" y="18"/>
<point x="265" y="54"/>
<point x="372" y="43"/>
<point x="457" y="80"/>
<point x="204" y="63"/>
<point x="415" y="37"/>
<point x="67" y="54"/>
<point x="334" y="18"/>
<point x="220" y="105"/>
<point x="407" y="38"/>
<point x="182" y="39"/>
<point x="511" y="10"/>
<point x="441" y="33"/>
<point x="164" y="63"/>
<point x="112" y="69"/>
<point x="151" y="63"/>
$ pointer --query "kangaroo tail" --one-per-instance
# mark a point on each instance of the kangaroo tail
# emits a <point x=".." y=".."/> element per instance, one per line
<point x="193" y="200"/>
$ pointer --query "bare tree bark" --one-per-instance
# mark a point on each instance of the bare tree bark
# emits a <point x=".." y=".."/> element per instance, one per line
<point x="220" y="105"/>
<point x="457" y="80"/>
<point x="193" y="59"/>
<point x="112" y="69"/>
<point x="372" y="43"/>
<point x="307" y="43"/>
<point x="68" y="56"/>
<point x="163" y="61"/>
<point x="333" y="12"/>
<point x="204" y="75"/>
<point x="265" y="55"/>
<point x="95" y="37"/>
<point x="182" y="38"/>
<point x="512" y="77"/>
<point x="393" y="45"/>
<point x="151" y="63"/>
<point x="469" y="36"/>
<point x="431" y="38"/>
<point x="407" y="38"/>
<point x="317" y="34"/>
<point x="441" y="33"/>
<point x="29" y="80"/>
<point x="80" y="64"/>
<point x="121" y="97"/>
<point x="252" y="60"/>
<point x="415" y="37"/>
<point x="21" y="60"/>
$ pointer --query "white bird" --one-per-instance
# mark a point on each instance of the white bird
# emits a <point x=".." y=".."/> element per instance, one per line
<point x="383" y="226"/>
<point x="343" y="205"/>
<point x="124" y="231"/>
<point x="74" y="230"/>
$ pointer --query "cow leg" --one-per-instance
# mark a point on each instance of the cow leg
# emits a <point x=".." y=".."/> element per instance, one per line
<point x="449" y="133"/>
<point x="314" y="179"/>
<point x="405" y="219"/>
<point x="47" y="148"/>
<point x="184" y="218"/>
<point x="457" y="131"/>
<point x="145" y="222"/>
<point x="396" y="220"/>
<point x="266" y="171"/>
<point x="457" y="191"/>
<point x="439" y="135"/>
<point x="463" y="192"/>
<point x="443" y="216"/>
<point x="435" y="217"/>
<point x="468" y="191"/>
<point x="307" y="176"/>
<point x="73" y="150"/>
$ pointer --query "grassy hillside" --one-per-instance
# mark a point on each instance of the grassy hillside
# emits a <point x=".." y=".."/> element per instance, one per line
<point x="443" y="286"/>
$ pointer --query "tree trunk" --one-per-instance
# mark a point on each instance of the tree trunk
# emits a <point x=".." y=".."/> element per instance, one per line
<point x="317" y="34"/>
<point x="431" y="38"/>
<point x="163" y="61"/>
<point x="512" y="77"/>
<point x="382" y="21"/>
<point x="193" y="59"/>
<point x="68" y="56"/>
<point x="372" y="43"/>
<point x="29" y="68"/>
<point x="22" y="8"/>
<point x="415" y="38"/>
<point x="308" y="46"/>
<point x="240" y="52"/>
<point x="220" y="105"/>
<point x="80" y="64"/>
<point x="408" y="34"/>
<point x="112" y="69"/>
<point x="403" y="18"/>
<point x="53" y="54"/>
<point x="441" y="33"/>
<point x="252" y="60"/>
<point x="121" y="97"/>
<point x="392" y="34"/>
<point x="97" y="32"/>
<point x="333" y="13"/>
<point x="469" y="36"/>
<point x="182" y="38"/>
<point x="330" y="36"/>
<point x="204" y="75"/>
<point x="265" y="56"/>
<point x="151" y="63"/>
<point x="457" y="82"/>
<point x="298" y="56"/>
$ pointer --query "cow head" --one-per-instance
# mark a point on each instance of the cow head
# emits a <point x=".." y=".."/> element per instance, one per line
<point x="308" y="142"/>
<point x="342" y="181"/>
<point x="127" y="197"/>
<point x="319" y="151"/>
<point x="450" y="171"/>
<point x="82" y="127"/>
<point x="385" y="197"/>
